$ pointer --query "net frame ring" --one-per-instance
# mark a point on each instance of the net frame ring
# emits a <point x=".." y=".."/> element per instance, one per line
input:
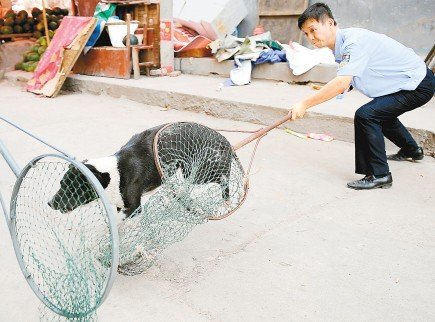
<point x="113" y="231"/>
<point x="245" y="183"/>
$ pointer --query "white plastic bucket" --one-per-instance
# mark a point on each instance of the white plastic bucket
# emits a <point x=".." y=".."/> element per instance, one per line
<point x="118" y="32"/>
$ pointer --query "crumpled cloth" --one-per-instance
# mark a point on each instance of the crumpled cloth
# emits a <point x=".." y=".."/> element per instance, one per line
<point x="301" y="59"/>
<point x="229" y="46"/>
<point x="241" y="75"/>
<point x="271" y="56"/>
<point x="273" y="44"/>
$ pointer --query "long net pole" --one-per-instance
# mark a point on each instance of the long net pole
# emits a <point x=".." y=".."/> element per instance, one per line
<point x="261" y="132"/>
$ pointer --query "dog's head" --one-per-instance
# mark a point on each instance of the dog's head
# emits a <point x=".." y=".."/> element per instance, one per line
<point x="75" y="189"/>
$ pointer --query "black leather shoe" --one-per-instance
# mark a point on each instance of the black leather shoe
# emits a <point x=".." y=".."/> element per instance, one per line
<point x="372" y="182"/>
<point x="403" y="156"/>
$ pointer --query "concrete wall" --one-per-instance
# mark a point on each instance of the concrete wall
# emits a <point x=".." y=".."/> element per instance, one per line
<point x="412" y="22"/>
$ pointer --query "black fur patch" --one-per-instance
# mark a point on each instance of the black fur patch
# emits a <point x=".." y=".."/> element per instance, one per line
<point x="103" y="177"/>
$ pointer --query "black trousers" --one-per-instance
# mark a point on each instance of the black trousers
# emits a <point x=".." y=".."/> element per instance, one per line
<point x="378" y="118"/>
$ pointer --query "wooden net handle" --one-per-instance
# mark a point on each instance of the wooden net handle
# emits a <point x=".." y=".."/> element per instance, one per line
<point x="261" y="132"/>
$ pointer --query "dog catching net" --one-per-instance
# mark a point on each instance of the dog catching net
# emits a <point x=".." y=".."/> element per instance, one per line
<point x="59" y="214"/>
<point x="202" y="179"/>
<point x="63" y="228"/>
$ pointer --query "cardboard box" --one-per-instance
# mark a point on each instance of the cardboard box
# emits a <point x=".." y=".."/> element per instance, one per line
<point x="229" y="14"/>
<point x="212" y="19"/>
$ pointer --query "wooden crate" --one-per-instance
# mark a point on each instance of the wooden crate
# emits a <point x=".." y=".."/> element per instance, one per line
<point x="138" y="12"/>
<point x="153" y="35"/>
<point x="109" y="61"/>
<point x="104" y="61"/>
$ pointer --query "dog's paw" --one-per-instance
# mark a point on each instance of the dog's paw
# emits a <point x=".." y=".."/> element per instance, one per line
<point x="120" y="216"/>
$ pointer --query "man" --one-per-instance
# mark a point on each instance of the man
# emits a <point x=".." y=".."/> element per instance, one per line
<point x="382" y="69"/>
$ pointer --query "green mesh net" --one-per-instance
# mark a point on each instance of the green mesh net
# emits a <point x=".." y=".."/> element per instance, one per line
<point x="64" y="234"/>
<point x="202" y="179"/>
<point x="47" y="315"/>
<point x="57" y="240"/>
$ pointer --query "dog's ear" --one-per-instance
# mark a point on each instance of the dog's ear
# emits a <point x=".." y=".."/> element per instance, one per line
<point x="102" y="177"/>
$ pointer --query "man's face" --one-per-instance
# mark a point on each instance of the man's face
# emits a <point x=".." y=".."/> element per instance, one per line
<point x="320" y="34"/>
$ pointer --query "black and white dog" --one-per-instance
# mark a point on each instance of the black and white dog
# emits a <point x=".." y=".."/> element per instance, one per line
<point x="132" y="171"/>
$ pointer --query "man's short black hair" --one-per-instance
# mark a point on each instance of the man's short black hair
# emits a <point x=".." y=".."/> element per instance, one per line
<point x="318" y="11"/>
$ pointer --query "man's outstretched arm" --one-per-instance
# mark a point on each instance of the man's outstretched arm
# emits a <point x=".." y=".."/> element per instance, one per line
<point x="333" y="88"/>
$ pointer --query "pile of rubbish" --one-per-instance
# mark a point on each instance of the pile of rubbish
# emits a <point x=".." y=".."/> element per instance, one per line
<point x="205" y="29"/>
<point x="259" y="49"/>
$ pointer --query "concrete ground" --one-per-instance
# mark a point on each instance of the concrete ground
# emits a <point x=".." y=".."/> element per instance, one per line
<point x="303" y="247"/>
<point x="261" y="102"/>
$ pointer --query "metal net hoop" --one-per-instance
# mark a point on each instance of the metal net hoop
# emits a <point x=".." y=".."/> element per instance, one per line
<point x="210" y="152"/>
<point x="202" y="179"/>
<point x="58" y="252"/>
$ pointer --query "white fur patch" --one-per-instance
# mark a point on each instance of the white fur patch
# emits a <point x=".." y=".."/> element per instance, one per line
<point x="110" y="165"/>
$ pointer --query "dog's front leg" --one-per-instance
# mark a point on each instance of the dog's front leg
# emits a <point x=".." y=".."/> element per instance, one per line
<point x="132" y="201"/>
